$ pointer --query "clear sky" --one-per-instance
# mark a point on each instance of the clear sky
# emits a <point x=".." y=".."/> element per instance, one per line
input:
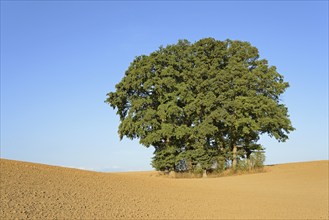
<point x="59" y="59"/>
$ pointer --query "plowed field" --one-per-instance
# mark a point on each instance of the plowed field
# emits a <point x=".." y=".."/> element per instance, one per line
<point x="286" y="191"/>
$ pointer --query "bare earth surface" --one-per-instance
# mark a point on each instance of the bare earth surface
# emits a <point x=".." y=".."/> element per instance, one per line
<point x="286" y="191"/>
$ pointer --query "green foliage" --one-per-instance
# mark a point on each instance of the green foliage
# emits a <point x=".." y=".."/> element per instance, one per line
<point x="242" y="165"/>
<point x="219" y="165"/>
<point x="257" y="159"/>
<point x="198" y="170"/>
<point x="165" y="159"/>
<point x="196" y="102"/>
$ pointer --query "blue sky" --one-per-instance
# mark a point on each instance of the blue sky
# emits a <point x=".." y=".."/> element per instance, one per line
<point x="59" y="59"/>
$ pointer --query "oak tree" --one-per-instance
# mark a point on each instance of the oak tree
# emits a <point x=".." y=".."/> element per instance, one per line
<point x="194" y="103"/>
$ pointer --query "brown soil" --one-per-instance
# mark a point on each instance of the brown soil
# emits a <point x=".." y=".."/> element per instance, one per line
<point x="286" y="191"/>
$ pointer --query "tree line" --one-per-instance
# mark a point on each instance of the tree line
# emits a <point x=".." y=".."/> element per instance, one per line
<point x="202" y="105"/>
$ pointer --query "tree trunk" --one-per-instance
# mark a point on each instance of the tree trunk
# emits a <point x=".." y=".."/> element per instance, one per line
<point x="249" y="161"/>
<point x="234" y="160"/>
<point x="204" y="175"/>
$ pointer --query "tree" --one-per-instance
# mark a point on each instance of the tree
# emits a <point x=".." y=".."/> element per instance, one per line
<point x="195" y="102"/>
<point x="249" y="98"/>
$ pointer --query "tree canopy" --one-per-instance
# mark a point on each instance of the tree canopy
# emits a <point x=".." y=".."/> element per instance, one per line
<point x="202" y="103"/>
